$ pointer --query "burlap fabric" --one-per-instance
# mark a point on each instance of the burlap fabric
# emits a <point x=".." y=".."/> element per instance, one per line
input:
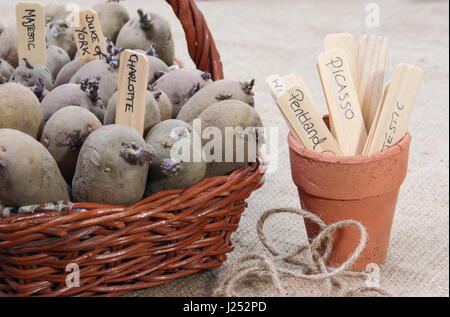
<point x="257" y="38"/>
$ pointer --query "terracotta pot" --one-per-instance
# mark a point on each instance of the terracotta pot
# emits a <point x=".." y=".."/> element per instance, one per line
<point x="361" y="188"/>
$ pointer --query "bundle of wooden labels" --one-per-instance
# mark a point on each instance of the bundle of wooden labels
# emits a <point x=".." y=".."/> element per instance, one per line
<point x="366" y="116"/>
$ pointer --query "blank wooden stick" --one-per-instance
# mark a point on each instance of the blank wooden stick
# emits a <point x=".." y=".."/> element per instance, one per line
<point x="375" y="120"/>
<point x="397" y="108"/>
<point x="345" y="113"/>
<point x="371" y="63"/>
<point x="345" y="41"/>
<point x="306" y="122"/>
<point x="31" y="43"/>
<point x="133" y="81"/>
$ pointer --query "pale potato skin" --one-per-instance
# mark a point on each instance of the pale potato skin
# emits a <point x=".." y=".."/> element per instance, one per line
<point x="29" y="77"/>
<point x="164" y="103"/>
<point x="229" y="113"/>
<point x="103" y="175"/>
<point x="56" y="11"/>
<point x="8" y="46"/>
<point x="161" y="137"/>
<point x="28" y="173"/>
<point x="6" y="70"/>
<point x="69" y="95"/>
<point x="217" y="91"/>
<point x="108" y="75"/>
<point x="20" y="109"/>
<point x="57" y="58"/>
<point x="155" y="65"/>
<point x="113" y="16"/>
<point x="64" y="134"/>
<point x="67" y="72"/>
<point x="63" y="38"/>
<point x="178" y="86"/>
<point x="152" y="112"/>
<point x="132" y="36"/>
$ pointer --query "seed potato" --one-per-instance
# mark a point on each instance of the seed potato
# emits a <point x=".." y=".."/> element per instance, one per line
<point x="112" y="166"/>
<point x="168" y="172"/>
<point x="64" y="134"/>
<point x="28" y="173"/>
<point x="20" y="109"/>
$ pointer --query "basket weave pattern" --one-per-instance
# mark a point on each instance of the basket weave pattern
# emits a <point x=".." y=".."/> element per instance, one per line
<point x="201" y="45"/>
<point x="118" y="249"/>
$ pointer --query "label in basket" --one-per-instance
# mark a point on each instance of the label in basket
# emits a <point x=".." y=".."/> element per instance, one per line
<point x="82" y="42"/>
<point x="297" y="107"/>
<point x="133" y="82"/>
<point x="89" y="37"/>
<point x="347" y="123"/>
<point x="31" y="44"/>
<point x="396" y="111"/>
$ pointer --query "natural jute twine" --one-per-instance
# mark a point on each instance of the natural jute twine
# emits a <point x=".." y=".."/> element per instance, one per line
<point x="310" y="260"/>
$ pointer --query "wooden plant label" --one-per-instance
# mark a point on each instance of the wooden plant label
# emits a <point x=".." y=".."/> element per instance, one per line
<point x="347" y="42"/>
<point x="375" y="120"/>
<point x="371" y="63"/>
<point x="133" y="81"/>
<point x="293" y="79"/>
<point x="89" y="38"/>
<point x="31" y="43"/>
<point x="305" y="122"/>
<point x="396" y="110"/>
<point x="345" y="113"/>
<point x="276" y="86"/>
<point x="81" y="37"/>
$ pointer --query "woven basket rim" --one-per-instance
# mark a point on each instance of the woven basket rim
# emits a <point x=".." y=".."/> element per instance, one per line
<point x="258" y="167"/>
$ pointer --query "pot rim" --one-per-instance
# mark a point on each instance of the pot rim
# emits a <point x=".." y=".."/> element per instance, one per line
<point x="348" y="160"/>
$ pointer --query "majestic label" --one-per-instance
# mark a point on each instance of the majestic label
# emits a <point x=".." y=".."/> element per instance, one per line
<point x="31" y="42"/>
<point x="395" y="113"/>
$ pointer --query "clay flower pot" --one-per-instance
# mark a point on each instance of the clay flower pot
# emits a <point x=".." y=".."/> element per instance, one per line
<point x="361" y="188"/>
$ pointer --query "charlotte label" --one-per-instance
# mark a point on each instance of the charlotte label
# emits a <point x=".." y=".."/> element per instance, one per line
<point x="133" y="81"/>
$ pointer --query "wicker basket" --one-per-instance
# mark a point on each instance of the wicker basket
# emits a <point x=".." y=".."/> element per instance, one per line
<point x="118" y="249"/>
